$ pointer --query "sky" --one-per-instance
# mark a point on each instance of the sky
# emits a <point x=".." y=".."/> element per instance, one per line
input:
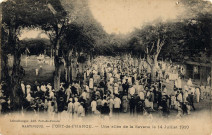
<point x="122" y="16"/>
<point x="32" y="33"/>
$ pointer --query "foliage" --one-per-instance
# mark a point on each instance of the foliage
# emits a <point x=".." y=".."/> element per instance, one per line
<point x="35" y="46"/>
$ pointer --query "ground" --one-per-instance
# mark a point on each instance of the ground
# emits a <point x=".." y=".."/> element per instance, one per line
<point x="45" y="70"/>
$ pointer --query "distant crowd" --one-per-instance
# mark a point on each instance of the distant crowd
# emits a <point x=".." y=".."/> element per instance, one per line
<point x="110" y="87"/>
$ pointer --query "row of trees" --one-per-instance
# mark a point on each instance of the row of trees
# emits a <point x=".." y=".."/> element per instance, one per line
<point x="178" y="41"/>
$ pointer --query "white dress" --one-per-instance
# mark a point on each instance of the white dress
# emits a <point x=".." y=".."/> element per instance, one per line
<point x="91" y="83"/>
<point x="93" y="106"/>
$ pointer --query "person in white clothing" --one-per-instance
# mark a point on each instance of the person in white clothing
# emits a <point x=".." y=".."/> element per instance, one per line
<point x="179" y="97"/>
<point x="197" y="92"/>
<point x="111" y="104"/>
<point x="91" y="83"/>
<point x="76" y="105"/>
<point x="141" y="95"/>
<point x="43" y="88"/>
<point x="185" y="95"/>
<point x="81" y="110"/>
<point x="84" y="95"/>
<point x="93" y="106"/>
<point x="28" y="97"/>
<point x="104" y="100"/>
<point x="117" y="104"/>
<point x="179" y="83"/>
<point x="189" y="83"/>
<point x="68" y="93"/>
<point x="116" y="88"/>
<point x="70" y="109"/>
<point x="36" y="71"/>
<point x="192" y="90"/>
<point x="23" y="87"/>
<point x="51" y="94"/>
<point x="131" y="90"/>
<point x="208" y="80"/>
<point x="28" y="89"/>
<point x="86" y="88"/>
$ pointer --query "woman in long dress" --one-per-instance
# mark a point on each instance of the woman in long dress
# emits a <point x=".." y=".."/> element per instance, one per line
<point x="125" y="103"/>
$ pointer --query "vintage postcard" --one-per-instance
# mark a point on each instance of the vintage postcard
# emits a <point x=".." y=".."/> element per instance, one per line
<point x="105" y="67"/>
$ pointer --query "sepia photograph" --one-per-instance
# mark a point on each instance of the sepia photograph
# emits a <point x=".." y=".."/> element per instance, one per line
<point x="105" y="67"/>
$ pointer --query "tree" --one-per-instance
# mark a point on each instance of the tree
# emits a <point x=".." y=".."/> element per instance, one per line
<point x="151" y="40"/>
<point x="16" y="15"/>
<point x="75" y="42"/>
<point x="55" y="27"/>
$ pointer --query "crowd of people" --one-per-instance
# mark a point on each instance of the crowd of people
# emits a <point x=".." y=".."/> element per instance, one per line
<point x="113" y="86"/>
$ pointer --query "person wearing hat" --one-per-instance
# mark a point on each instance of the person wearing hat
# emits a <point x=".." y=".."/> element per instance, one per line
<point x="151" y="98"/>
<point x="104" y="100"/>
<point x="137" y="87"/>
<point x="70" y="109"/>
<point x="61" y="103"/>
<point x="76" y="105"/>
<point x="117" y="105"/>
<point x="189" y="82"/>
<point x="131" y="90"/>
<point x="99" y="103"/>
<point x="81" y="110"/>
<point x="84" y="95"/>
<point x="179" y="110"/>
<point x="43" y="87"/>
<point x="190" y="99"/>
<point x="49" y="107"/>
<point x="185" y="95"/>
<point x="132" y="104"/>
<point x="54" y="104"/>
<point x="116" y="88"/>
<point x="124" y="103"/>
<point x="23" y="88"/>
<point x="164" y="89"/>
<point x="120" y="88"/>
<point x="125" y="87"/>
<point x="93" y="106"/>
<point x="105" y="110"/>
<point x="197" y="92"/>
<point x="142" y="95"/>
<point x="173" y="102"/>
<point x="111" y="104"/>
<point x="39" y="94"/>
<point x="91" y="83"/>
<point x="164" y="106"/>
<point x="28" y="89"/>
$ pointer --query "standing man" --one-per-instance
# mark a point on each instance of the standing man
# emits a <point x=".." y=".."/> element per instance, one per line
<point x="132" y="105"/>
<point x="197" y="92"/>
<point x="117" y="105"/>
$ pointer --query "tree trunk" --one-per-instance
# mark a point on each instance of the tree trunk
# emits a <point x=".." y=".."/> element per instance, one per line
<point x="16" y="94"/>
<point x="57" y="64"/>
<point x="153" y="71"/>
<point x="68" y="73"/>
<point x="74" y="69"/>
<point x="153" y="64"/>
<point x="4" y="67"/>
<point x="57" y="77"/>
